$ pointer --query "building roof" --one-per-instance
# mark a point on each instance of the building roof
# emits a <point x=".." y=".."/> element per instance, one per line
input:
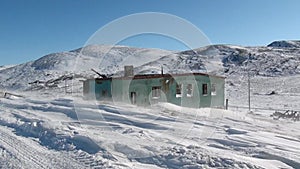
<point x="151" y="76"/>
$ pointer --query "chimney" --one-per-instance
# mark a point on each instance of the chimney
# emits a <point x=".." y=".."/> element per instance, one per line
<point x="128" y="71"/>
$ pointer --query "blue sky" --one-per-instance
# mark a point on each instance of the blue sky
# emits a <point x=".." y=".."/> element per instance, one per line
<point x="33" y="28"/>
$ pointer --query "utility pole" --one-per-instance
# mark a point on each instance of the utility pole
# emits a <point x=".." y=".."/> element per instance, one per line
<point x="249" y="85"/>
<point x="66" y="91"/>
<point x="249" y="97"/>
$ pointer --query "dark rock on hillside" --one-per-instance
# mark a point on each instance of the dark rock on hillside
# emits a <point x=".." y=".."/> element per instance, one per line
<point x="285" y="44"/>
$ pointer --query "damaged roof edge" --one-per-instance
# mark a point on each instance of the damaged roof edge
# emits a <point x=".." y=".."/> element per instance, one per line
<point x="149" y="76"/>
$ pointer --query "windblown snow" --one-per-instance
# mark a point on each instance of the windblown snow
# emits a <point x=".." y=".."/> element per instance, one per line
<point x="45" y="123"/>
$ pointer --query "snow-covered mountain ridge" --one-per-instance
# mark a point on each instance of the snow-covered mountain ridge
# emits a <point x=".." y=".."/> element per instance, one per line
<point x="54" y="128"/>
<point x="104" y="58"/>
<point x="285" y="44"/>
<point x="280" y="58"/>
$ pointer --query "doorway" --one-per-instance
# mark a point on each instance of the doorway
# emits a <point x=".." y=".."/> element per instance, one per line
<point x="133" y="97"/>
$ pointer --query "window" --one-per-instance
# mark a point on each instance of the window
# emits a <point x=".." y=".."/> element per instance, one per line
<point x="178" y="90"/>
<point x="204" y="89"/>
<point x="189" y="90"/>
<point x="213" y="90"/>
<point x="86" y="87"/>
<point x="133" y="97"/>
<point x="104" y="93"/>
<point x="98" y="81"/>
<point x="156" y="92"/>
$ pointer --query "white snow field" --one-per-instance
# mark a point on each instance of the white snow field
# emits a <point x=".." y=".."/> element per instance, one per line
<point x="68" y="132"/>
<point x="45" y="123"/>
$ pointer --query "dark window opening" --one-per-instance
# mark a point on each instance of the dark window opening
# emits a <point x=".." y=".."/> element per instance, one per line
<point x="86" y="87"/>
<point x="204" y="89"/>
<point x="104" y="93"/>
<point x="178" y="90"/>
<point x="189" y="90"/>
<point x="98" y="82"/>
<point x="213" y="89"/>
<point x="156" y="92"/>
<point x="133" y="97"/>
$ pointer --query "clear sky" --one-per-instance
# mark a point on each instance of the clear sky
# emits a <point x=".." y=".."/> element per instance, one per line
<point x="33" y="28"/>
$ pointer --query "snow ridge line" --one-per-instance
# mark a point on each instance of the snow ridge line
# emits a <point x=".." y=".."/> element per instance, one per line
<point x="26" y="153"/>
<point x="89" y="161"/>
<point x="22" y="151"/>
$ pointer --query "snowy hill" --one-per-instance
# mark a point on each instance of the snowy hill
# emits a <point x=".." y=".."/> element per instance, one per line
<point x="68" y="132"/>
<point x="228" y="59"/>
<point x="52" y="70"/>
<point x="47" y="127"/>
<point x="285" y="44"/>
<point x="77" y="63"/>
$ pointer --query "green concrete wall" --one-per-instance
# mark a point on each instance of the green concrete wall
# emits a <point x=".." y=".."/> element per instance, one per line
<point x="120" y="89"/>
<point x="218" y="99"/>
<point x="89" y="89"/>
<point x="103" y="89"/>
<point x="97" y="89"/>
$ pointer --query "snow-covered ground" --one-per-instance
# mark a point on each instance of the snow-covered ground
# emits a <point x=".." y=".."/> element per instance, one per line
<point x="47" y="124"/>
<point x="277" y="93"/>
<point x="67" y="132"/>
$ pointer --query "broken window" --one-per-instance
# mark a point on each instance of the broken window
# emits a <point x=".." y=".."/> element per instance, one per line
<point x="178" y="90"/>
<point x="189" y="90"/>
<point x="86" y="87"/>
<point x="98" y="81"/>
<point x="133" y="97"/>
<point x="156" y="92"/>
<point x="204" y="89"/>
<point x="213" y="89"/>
<point x="104" y="93"/>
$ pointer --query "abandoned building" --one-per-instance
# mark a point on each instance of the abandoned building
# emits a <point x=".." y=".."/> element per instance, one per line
<point x="189" y="90"/>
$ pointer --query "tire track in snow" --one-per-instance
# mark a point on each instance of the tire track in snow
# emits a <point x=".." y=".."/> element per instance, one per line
<point x="42" y="157"/>
<point x="34" y="157"/>
<point x="21" y="151"/>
